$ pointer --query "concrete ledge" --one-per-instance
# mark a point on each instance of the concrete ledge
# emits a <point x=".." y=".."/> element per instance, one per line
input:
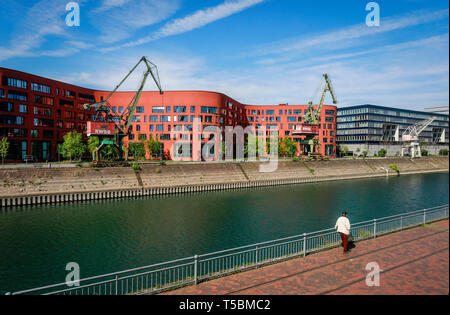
<point x="80" y="196"/>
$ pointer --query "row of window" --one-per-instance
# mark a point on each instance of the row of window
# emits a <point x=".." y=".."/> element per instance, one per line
<point x="271" y="112"/>
<point x="387" y="112"/>
<point x="44" y="111"/>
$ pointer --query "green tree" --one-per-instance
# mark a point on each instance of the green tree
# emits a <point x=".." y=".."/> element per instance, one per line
<point x="344" y="149"/>
<point x="73" y="146"/>
<point x="251" y="146"/>
<point x="424" y="152"/>
<point x="136" y="150"/>
<point x="93" y="143"/>
<point x="109" y="152"/>
<point x="443" y="152"/>
<point x="276" y="141"/>
<point x="382" y="153"/>
<point x="153" y="146"/>
<point x="4" y="147"/>
<point x="290" y="145"/>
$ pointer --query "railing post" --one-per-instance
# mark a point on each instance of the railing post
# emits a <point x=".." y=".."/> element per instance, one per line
<point x="401" y="223"/>
<point x="256" y="259"/>
<point x="117" y="284"/>
<point x="195" y="269"/>
<point x="304" y="244"/>
<point x="374" y="228"/>
<point x="424" y="217"/>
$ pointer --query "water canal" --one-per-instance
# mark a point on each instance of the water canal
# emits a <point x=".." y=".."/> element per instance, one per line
<point x="37" y="242"/>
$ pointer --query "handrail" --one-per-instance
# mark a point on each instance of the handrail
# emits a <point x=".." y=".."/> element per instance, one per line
<point x="197" y="261"/>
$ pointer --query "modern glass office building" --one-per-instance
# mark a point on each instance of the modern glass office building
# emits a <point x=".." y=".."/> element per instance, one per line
<point x="372" y="127"/>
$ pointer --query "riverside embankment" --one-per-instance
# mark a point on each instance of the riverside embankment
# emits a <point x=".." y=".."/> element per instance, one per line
<point x="45" y="185"/>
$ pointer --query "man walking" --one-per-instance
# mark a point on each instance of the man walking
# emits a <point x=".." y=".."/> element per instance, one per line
<point x="343" y="228"/>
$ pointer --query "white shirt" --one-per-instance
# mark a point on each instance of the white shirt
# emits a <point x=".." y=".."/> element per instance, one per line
<point x="343" y="225"/>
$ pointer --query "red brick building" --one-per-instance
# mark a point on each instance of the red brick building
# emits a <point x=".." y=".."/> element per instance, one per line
<point x="36" y="112"/>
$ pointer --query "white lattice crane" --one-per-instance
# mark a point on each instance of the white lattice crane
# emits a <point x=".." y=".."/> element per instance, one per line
<point x="410" y="137"/>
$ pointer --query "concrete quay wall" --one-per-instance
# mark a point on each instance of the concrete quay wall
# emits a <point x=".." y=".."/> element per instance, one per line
<point x="41" y="186"/>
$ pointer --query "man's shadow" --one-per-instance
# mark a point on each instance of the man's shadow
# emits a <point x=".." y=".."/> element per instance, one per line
<point x="351" y="244"/>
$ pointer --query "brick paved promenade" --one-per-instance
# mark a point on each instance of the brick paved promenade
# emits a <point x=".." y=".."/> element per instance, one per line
<point x="414" y="261"/>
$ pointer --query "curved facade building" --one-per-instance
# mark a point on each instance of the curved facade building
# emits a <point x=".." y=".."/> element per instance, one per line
<point x="36" y="112"/>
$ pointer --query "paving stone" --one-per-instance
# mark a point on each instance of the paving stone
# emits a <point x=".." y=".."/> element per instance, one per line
<point x="414" y="261"/>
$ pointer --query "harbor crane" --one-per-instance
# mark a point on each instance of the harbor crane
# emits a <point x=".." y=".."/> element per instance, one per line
<point x="311" y="120"/>
<point x="410" y="138"/>
<point x="112" y="129"/>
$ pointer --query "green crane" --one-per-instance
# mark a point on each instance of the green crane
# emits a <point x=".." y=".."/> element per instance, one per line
<point x="121" y="124"/>
<point x="312" y="117"/>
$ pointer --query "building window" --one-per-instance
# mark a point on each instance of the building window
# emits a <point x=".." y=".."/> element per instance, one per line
<point x="48" y="134"/>
<point x="15" y="82"/>
<point x="23" y="108"/>
<point x="140" y="109"/>
<point x="120" y="109"/>
<point x="40" y="88"/>
<point x="179" y="109"/>
<point x="44" y="100"/>
<point x="18" y="96"/>
<point x="330" y="112"/>
<point x="164" y="136"/>
<point x="164" y="118"/>
<point x="6" y="107"/>
<point x="192" y="109"/>
<point x="20" y="120"/>
<point x="136" y="118"/>
<point x="86" y="97"/>
<point x="66" y="103"/>
<point x="2" y="93"/>
<point x="70" y="94"/>
<point x="142" y="137"/>
<point x="159" y="127"/>
<point x="157" y="109"/>
<point x="153" y="118"/>
<point x="209" y="110"/>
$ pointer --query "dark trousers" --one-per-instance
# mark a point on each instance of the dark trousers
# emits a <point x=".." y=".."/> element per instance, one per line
<point x="344" y="238"/>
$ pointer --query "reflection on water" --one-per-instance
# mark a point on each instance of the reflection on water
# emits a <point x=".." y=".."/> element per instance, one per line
<point x="37" y="242"/>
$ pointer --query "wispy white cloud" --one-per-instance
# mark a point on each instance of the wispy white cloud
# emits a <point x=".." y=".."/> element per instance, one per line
<point x="41" y="20"/>
<point x="413" y="74"/>
<point x="345" y="37"/>
<point x="108" y="4"/>
<point x="196" y="20"/>
<point x="119" y="19"/>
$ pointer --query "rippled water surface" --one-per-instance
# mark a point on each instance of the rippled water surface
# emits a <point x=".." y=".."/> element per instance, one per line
<point x="37" y="242"/>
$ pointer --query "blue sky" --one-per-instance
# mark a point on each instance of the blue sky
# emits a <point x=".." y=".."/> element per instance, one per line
<point x="256" y="51"/>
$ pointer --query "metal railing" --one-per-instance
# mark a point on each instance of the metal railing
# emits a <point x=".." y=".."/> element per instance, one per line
<point x="191" y="270"/>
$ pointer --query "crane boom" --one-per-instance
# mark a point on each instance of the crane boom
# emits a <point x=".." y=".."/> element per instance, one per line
<point x="119" y="126"/>
<point x="313" y="115"/>
<point x="410" y="138"/>
<point x="125" y="119"/>
<point x="412" y="132"/>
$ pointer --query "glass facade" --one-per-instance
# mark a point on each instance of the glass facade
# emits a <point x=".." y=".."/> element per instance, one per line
<point x="377" y="124"/>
